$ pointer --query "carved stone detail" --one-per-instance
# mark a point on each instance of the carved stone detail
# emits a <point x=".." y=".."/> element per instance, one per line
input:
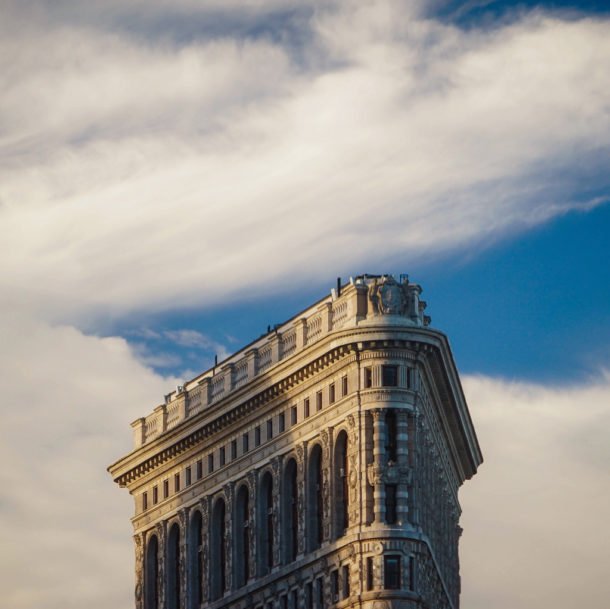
<point x="228" y="490"/>
<point x="139" y="551"/>
<point x="204" y="504"/>
<point x="276" y="468"/>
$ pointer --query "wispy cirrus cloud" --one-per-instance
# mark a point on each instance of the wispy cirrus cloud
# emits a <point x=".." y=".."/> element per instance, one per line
<point x="136" y="163"/>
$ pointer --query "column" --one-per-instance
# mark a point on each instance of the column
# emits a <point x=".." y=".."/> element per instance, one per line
<point x="378" y="464"/>
<point x="139" y="544"/>
<point x="402" y="455"/>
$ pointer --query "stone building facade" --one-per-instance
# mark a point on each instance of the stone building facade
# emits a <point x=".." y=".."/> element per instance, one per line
<point x="318" y="467"/>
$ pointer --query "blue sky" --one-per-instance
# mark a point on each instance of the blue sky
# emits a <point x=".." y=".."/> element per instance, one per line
<point x="534" y="306"/>
<point x="177" y="176"/>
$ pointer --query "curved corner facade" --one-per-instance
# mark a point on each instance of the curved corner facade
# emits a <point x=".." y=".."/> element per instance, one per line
<point x="318" y="467"/>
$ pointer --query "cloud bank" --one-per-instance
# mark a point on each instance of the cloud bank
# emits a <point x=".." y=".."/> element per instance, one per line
<point x="140" y="169"/>
<point x="534" y="517"/>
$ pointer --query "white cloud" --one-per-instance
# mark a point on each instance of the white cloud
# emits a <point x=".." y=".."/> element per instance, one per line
<point x="535" y="516"/>
<point x="175" y="172"/>
<point x="67" y="401"/>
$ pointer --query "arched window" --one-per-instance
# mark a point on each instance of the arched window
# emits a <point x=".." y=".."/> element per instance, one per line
<point x="195" y="568"/>
<point x="151" y="574"/>
<point x="265" y="524"/>
<point x="242" y="536"/>
<point x="289" y="512"/>
<point x="314" y="499"/>
<point x="173" y="567"/>
<point x="341" y="495"/>
<point x="218" y="579"/>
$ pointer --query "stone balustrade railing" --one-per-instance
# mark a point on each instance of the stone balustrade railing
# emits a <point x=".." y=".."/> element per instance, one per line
<point x="336" y="312"/>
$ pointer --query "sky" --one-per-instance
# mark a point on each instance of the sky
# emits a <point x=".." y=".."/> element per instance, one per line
<point x="177" y="176"/>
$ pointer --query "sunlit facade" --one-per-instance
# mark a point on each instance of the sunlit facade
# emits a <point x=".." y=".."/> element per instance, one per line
<point x="318" y="467"/>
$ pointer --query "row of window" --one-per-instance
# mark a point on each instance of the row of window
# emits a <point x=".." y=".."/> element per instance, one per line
<point x="282" y="420"/>
<point x="389" y="378"/>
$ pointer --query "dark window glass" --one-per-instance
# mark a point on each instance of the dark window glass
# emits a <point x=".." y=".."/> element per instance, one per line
<point x="389" y="376"/>
<point x="344" y="385"/>
<point x="412" y="573"/>
<point x="334" y="585"/>
<point x="176" y="482"/>
<point x="344" y="581"/>
<point x="331" y="393"/>
<point x="320" y="592"/>
<point x="293" y="599"/>
<point x="155" y="495"/>
<point x="210" y="463"/>
<point x="368" y="377"/>
<point x="199" y="469"/>
<point x="187" y="476"/>
<point x="165" y="489"/>
<point x="369" y="573"/>
<point x="409" y="378"/>
<point x="245" y="441"/>
<point x="282" y="422"/>
<point x="222" y="456"/>
<point x="306" y="408"/>
<point x="391" y="435"/>
<point x="257" y="435"/>
<point x="391" y="572"/>
<point x="233" y="449"/>
<point x="293" y="415"/>
<point x="144" y="501"/>
<point x="390" y="503"/>
<point x="319" y="400"/>
<point x="269" y="429"/>
<point x="308" y="596"/>
<point x="284" y="601"/>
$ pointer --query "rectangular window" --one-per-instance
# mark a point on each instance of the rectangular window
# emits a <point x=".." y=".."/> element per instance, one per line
<point x="145" y="501"/>
<point x="344" y="386"/>
<point x="282" y="422"/>
<point x="306" y="408"/>
<point x="391" y="572"/>
<point x="308" y="595"/>
<point x="334" y="585"/>
<point x="155" y="495"/>
<point x="245" y="443"/>
<point x="389" y="376"/>
<point x="283" y="602"/>
<point x="176" y="482"/>
<point x="369" y="573"/>
<point x="187" y="475"/>
<point x="222" y="458"/>
<point x="199" y="469"/>
<point x="412" y="573"/>
<point x="390" y="503"/>
<point x="165" y="489"/>
<point x="345" y="581"/>
<point x="269" y="429"/>
<point x="409" y="378"/>
<point x="210" y="463"/>
<point x="293" y="415"/>
<point x="293" y="599"/>
<point x="368" y="377"/>
<point x="233" y="449"/>
<point x="331" y="393"/>
<point x="257" y="435"/>
<point x="320" y="592"/>
<point x="319" y="400"/>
